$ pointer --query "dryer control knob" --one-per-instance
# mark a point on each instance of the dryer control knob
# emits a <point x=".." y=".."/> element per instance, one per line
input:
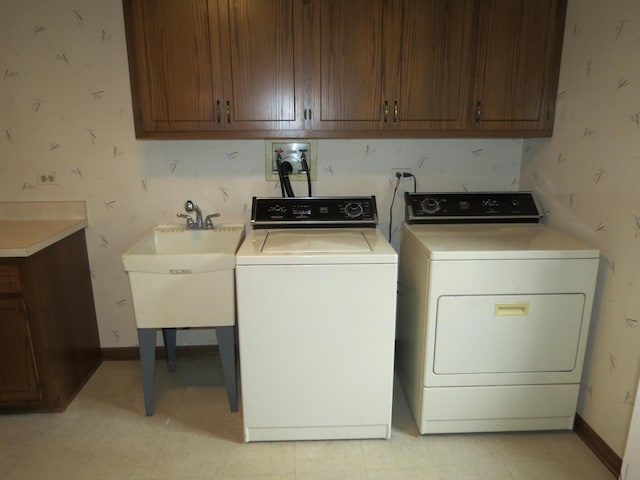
<point x="430" y="205"/>
<point x="353" y="210"/>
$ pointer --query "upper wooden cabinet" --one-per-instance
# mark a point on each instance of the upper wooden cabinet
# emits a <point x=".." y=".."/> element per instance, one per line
<point x="518" y="61"/>
<point x="391" y="65"/>
<point x="433" y="56"/>
<point x="262" y="63"/>
<point x="344" y="68"/>
<point x="202" y="66"/>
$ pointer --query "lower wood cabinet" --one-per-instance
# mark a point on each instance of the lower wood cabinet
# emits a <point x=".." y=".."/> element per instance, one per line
<point x="49" y="344"/>
<point x="18" y="373"/>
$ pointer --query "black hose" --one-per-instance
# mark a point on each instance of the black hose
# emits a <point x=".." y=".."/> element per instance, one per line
<point x="279" y="167"/>
<point x="286" y="169"/>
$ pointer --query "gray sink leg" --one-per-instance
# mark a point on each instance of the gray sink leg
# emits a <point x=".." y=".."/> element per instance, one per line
<point x="169" y="337"/>
<point x="147" y="343"/>
<point x="227" y="346"/>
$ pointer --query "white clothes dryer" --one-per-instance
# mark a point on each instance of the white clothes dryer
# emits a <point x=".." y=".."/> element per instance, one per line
<point x="493" y="317"/>
<point x="316" y="289"/>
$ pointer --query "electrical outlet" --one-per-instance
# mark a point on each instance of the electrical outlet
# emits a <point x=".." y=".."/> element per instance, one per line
<point x="47" y="178"/>
<point x="402" y="173"/>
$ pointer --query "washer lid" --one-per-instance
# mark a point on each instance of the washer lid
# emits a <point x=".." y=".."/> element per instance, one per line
<point x="304" y="241"/>
<point x="315" y="246"/>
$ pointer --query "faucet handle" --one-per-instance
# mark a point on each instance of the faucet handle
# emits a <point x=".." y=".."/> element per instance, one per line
<point x="188" y="217"/>
<point x="208" y="223"/>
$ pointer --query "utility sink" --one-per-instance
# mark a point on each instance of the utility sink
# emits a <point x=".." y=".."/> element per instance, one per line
<point x="173" y="248"/>
<point x="182" y="277"/>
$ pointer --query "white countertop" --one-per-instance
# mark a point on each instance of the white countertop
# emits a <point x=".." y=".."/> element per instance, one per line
<point x="28" y="227"/>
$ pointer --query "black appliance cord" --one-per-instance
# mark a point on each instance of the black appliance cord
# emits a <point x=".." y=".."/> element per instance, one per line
<point x="305" y="167"/>
<point x="395" y="190"/>
<point x="393" y="200"/>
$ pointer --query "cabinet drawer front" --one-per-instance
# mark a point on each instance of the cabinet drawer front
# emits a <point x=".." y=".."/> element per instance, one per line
<point x="9" y="279"/>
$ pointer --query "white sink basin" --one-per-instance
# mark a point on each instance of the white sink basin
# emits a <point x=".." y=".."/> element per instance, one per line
<point x="182" y="277"/>
<point x="166" y="248"/>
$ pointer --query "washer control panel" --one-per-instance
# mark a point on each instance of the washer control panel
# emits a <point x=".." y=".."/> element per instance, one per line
<point x="292" y="212"/>
<point x="471" y="207"/>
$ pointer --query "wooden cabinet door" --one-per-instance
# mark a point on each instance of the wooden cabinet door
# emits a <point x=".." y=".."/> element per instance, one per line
<point x="262" y="58"/>
<point x="18" y="374"/>
<point x="432" y="75"/>
<point x="402" y="64"/>
<point x="520" y="43"/>
<point x="174" y="62"/>
<point x="208" y="67"/>
<point x="348" y="82"/>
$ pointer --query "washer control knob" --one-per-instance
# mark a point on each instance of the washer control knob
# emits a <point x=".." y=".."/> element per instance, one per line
<point x="430" y="205"/>
<point x="353" y="210"/>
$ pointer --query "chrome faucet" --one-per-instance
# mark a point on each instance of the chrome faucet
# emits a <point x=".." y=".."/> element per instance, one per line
<point x="198" y="224"/>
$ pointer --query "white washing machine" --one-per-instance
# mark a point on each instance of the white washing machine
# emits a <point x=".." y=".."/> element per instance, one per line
<point x="492" y="317"/>
<point x="316" y="290"/>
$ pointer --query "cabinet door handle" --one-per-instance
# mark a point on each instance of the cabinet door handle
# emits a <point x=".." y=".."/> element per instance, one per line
<point x="228" y="112"/>
<point x="478" y="111"/>
<point x="218" y="111"/>
<point x="305" y="113"/>
<point x="395" y="111"/>
<point x="385" y="111"/>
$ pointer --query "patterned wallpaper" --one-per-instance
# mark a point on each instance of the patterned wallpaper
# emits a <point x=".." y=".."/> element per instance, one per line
<point x="65" y="107"/>
<point x="587" y="179"/>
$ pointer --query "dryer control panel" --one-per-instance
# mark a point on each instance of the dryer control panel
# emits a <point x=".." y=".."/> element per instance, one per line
<point x="471" y="207"/>
<point x="304" y="212"/>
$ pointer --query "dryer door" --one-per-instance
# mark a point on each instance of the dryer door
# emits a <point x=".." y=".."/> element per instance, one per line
<point x="497" y="334"/>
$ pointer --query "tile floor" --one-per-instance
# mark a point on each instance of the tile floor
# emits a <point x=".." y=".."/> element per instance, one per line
<point x="104" y="435"/>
